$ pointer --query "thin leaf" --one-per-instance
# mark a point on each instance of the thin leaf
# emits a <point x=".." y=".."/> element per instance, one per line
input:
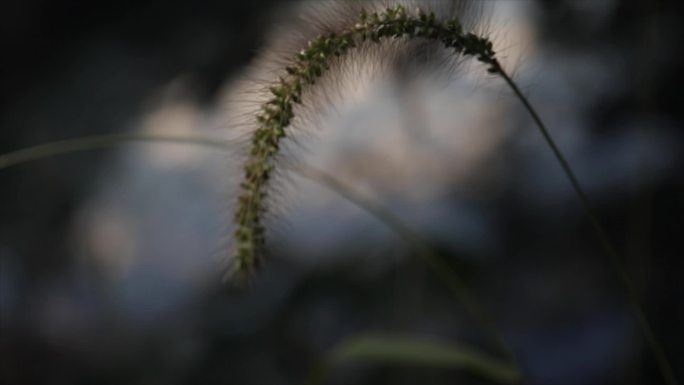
<point x="421" y="352"/>
<point x="435" y="261"/>
<point x="88" y="143"/>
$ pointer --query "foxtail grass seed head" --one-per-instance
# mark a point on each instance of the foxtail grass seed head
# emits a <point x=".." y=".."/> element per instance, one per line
<point x="305" y="68"/>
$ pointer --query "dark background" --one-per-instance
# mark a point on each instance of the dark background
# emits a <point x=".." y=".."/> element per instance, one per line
<point x="72" y="68"/>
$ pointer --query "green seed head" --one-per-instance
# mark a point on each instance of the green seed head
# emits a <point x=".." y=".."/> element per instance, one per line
<point x="307" y="66"/>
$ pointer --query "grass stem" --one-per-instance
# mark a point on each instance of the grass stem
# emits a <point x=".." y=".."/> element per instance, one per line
<point x="610" y="250"/>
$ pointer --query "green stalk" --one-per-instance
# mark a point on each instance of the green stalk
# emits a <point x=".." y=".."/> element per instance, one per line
<point x="436" y="262"/>
<point x="88" y="143"/>
<point x="632" y="296"/>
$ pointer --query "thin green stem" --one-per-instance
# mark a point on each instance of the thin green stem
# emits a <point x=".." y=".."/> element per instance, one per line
<point x="435" y="261"/>
<point x="98" y="141"/>
<point x="632" y="296"/>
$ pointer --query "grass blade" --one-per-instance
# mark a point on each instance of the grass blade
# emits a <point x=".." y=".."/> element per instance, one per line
<point x="418" y="352"/>
<point x="632" y="297"/>
<point x="434" y="260"/>
<point x="94" y="142"/>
